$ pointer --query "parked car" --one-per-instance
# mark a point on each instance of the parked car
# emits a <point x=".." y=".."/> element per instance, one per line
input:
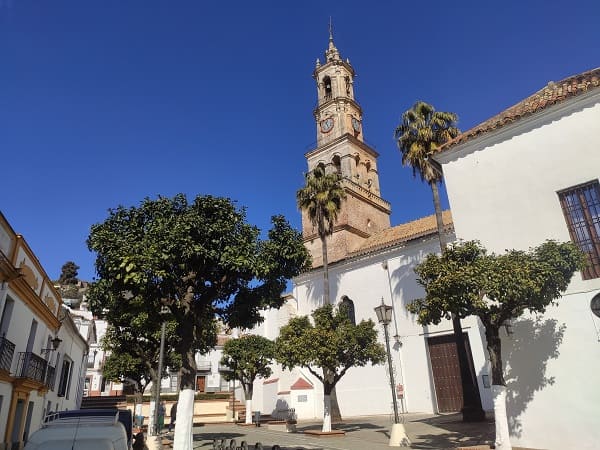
<point x="84" y="429"/>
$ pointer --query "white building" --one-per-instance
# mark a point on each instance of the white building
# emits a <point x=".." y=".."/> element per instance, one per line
<point x="42" y="353"/>
<point x="524" y="176"/>
<point x="369" y="261"/>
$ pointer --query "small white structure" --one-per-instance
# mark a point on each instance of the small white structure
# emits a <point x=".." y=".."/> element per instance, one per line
<point x="42" y="353"/>
<point x="524" y="176"/>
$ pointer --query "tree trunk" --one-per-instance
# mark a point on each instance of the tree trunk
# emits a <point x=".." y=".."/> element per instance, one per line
<point x="472" y="410"/>
<point x="326" y="408"/>
<point x="183" y="437"/>
<point x="248" y="392"/>
<point x="438" y="215"/>
<point x="153" y="405"/>
<point x="326" y="299"/>
<point x="494" y="347"/>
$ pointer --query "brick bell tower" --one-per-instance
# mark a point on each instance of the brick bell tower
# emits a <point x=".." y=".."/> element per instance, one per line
<point x="341" y="148"/>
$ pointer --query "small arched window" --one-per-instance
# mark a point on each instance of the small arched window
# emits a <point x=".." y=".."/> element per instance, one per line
<point x="348" y="306"/>
<point x="327" y="88"/>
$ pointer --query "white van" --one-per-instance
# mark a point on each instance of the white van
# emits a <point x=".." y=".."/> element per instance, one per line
<point x="81" y="430"/>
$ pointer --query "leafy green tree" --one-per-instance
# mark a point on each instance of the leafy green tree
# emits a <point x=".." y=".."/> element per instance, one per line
<point x="465" y="280"/>
<point x="68" y="273"/>
<point x="421" y="133"/>
<point x="328" y="348"/>
<point x="203" y="262"/>
<point x="321" y="198"/>
<point x="248" y="357"/>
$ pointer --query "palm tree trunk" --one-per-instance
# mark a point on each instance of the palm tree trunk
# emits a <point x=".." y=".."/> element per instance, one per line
<point x="438" y="215"/>
<point x="472" y="410"/>
<point x="326" y="299"/>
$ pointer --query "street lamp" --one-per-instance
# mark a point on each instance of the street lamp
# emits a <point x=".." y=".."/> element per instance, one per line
<point x="163" y="312"/>
<point x="55" y="343"/>
<point x="398" y="435"/>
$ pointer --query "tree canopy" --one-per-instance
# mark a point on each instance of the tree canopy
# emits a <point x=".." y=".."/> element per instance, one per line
<point x="201" y="260"/>
<point x="132" y="338"/>
<point x="321" y="197"/>
<point x="68" y="273"/>
<point x="332" y="344"/>
<point x="420" y="134"/>
<point x="466" y="280"/>
<point x="248" y="357"/>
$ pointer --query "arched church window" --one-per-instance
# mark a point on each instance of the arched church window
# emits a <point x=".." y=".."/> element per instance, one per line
<point x="337" y="163"/>
<point x="347" y="80"/>
<point x="348" y="306"/>
<point x="327" y="87"/>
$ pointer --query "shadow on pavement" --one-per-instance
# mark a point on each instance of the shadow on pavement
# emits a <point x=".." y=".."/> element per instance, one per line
<point x="451" y="431"/>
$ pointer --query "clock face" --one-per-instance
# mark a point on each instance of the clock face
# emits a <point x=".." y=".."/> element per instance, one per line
<point x="356" y="124"/>
<point x="327" y="125"/>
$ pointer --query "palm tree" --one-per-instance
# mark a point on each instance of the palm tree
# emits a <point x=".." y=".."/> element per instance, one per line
<point x="322" y="198"/>
<point x="421" y="133"/>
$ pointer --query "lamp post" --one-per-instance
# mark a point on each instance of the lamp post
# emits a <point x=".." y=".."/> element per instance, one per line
<point x="164" y="310"/>
<point x="398" y="435"/>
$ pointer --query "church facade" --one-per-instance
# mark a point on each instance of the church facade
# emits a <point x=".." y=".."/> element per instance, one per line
<point x="369" y="262"/>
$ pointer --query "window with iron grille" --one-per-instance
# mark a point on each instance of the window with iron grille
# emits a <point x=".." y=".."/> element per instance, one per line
<point x="581" y="207"/>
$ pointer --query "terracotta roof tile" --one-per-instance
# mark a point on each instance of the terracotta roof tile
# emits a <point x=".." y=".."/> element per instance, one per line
<point x="301" y="383"/>
<point x="552" y="94"/>
<point x="403" y="233"/>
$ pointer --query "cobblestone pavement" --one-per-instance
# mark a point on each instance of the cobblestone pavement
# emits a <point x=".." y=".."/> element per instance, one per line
<point x="425" y="431"/>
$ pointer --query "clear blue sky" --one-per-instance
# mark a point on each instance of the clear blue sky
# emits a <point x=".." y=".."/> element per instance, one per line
<point x="107" y="102"/>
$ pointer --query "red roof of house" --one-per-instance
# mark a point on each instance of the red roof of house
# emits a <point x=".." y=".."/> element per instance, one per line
<point x="301" y="383"/>
<point x="551" y="94"/>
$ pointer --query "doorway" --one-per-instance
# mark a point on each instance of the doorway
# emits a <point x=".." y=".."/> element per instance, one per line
<point x="200" y="383"/>
<point x="446" y="371"/>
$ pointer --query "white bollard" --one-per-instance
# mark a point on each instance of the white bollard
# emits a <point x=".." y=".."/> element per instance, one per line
<point x="398" y="437"/>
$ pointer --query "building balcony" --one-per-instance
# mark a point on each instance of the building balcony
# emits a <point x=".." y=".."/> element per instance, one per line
<point x="7" y="350"/>
<point x="32" y="367"/>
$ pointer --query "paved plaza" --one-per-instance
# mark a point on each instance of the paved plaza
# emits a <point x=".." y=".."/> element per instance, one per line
<point x="362" y="433"/>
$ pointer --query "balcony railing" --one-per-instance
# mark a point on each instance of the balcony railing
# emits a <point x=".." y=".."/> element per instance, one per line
<point x="7" y="350"/>
<point x="31" y="366"/>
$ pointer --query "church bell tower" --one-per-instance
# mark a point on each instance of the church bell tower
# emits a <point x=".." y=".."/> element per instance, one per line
<point x="341" y="148"/>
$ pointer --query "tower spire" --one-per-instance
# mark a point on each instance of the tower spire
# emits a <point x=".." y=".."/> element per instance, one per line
<point x="331" y="53"/>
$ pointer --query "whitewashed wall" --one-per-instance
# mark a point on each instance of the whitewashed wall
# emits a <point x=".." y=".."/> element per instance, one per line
<point x="502" y="190"/>
<point x="365" y="281"/>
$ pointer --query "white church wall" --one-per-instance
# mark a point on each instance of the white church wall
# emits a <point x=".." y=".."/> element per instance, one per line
<point x="503" y="191"/>
<point x="366" y="281"/>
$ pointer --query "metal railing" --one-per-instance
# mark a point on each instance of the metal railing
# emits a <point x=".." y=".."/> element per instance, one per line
<point x="31" y="366"/>
<point x="7" y="350"/>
